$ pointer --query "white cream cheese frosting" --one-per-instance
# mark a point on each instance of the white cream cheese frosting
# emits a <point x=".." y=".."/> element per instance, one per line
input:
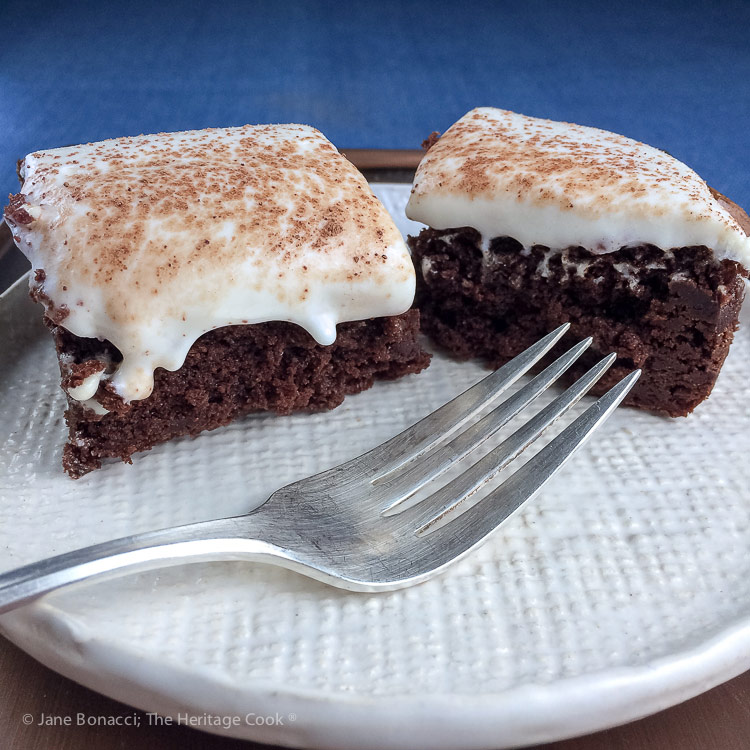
<point x="560" y="185"/>
<point x="150" y="242"/>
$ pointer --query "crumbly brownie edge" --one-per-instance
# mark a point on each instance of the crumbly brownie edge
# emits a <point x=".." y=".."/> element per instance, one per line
<point x="230" y="372"/>
<point x="671" y="313"/>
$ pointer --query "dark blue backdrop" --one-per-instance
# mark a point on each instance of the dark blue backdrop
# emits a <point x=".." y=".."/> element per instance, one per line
<point x="384" y="74"/>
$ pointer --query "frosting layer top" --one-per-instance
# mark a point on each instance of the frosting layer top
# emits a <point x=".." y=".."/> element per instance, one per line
<point x="559" y="185"/>
<point x="151" y="241"/>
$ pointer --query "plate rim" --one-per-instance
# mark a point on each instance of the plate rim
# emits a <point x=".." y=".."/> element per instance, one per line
<point x="489" y="721"/>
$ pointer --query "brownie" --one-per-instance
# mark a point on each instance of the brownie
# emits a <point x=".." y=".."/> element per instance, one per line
<point x="191" y="278"/>
<point x="533" y="223"/>
<point x="673" y="314"/>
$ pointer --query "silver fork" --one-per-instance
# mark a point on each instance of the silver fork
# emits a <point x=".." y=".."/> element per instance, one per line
<point x="359" y="525"/>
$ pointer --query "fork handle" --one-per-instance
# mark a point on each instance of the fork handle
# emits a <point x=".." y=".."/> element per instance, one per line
<point x="223" y="539"/>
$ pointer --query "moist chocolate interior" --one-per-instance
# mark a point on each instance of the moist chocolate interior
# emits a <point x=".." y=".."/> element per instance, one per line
<point x="671" y="313"/>
<point x="231" y="371"/>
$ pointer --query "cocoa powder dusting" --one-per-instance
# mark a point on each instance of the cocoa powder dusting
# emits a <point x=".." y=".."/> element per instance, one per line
<point x="150" y="214"/>
<point x="491" y="152"/>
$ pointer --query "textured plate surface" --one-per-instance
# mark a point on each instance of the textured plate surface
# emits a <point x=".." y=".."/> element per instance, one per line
<point x="622" y="589"/>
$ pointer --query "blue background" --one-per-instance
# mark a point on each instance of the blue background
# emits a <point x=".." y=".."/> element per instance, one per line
<point x="379" y="74"/>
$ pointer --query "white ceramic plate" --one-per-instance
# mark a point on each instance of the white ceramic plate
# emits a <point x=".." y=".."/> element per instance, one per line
<point x="623" y="589"/>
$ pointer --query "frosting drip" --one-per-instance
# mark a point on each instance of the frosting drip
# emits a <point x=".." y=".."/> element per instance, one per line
<point x="151" y="241"/>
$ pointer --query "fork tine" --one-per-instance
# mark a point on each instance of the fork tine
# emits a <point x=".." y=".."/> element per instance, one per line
<point x="435" y="427"/>
<point x="448" y="497"/>
<point x="403" y="485"/>
<point x="478" y="521"/>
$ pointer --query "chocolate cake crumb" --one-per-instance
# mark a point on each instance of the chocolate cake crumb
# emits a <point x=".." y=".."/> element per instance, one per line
<point x="15" y="210"/>
<point x="735" y="211"/>
<point x="54" y="313"/>
<point x="74" y="374"/>
<point x="671" y="313"/>
<point x="229" y="372"/>
<point x="431" y="140"/>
